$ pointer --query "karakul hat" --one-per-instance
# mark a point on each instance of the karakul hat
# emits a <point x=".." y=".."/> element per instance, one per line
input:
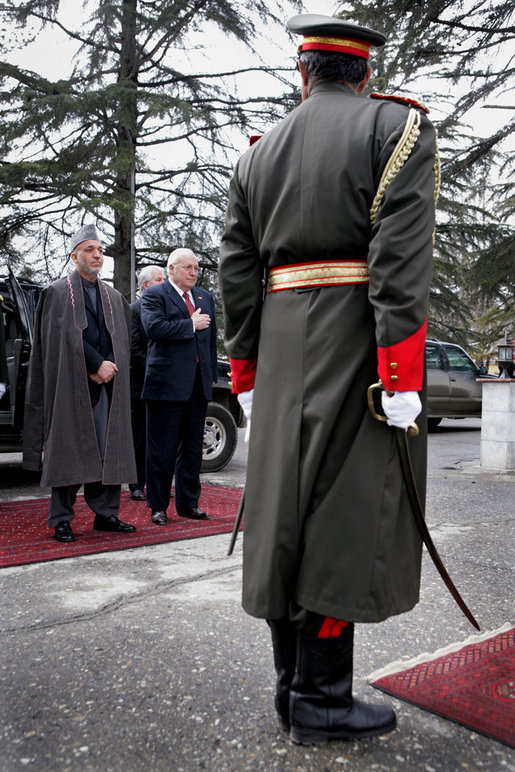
<point x="84" y="234"/>
<point x="329" y="33"/>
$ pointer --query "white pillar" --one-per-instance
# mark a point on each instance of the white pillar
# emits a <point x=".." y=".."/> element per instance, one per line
<point x="498" y="423"/>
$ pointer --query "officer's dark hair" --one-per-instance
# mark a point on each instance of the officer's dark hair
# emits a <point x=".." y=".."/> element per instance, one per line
<point x="330" y="65"/>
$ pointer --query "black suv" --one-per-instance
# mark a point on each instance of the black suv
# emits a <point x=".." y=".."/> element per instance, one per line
<point x="19" y="298"/>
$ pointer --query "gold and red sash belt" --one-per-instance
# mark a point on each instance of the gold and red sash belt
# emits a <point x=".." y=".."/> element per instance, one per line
<point x="324" y="273"/>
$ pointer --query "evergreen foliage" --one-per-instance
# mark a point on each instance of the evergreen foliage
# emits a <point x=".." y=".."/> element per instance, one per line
<point x="141" y="130"/>
<point x="453" y="55"/>
<point x="144" y="130"/>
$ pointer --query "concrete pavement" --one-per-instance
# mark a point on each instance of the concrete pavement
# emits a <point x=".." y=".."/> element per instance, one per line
<point x="143" y="659"/>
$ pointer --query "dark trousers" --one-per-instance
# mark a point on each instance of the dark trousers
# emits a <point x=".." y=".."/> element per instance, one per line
<point x="104" y="500"/>
<point x="175" y="433"/>
<point x="139" y="433"/>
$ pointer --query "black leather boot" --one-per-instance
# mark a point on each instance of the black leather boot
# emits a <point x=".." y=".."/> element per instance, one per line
<point x="322" y="707"/>
<point x="284" y="642"/>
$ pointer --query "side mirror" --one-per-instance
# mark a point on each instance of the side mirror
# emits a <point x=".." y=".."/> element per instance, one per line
<point x="483" y="370"/>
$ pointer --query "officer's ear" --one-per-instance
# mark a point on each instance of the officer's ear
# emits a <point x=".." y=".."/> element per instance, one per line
<point x="306" y="87"/>
<point x="365" y="80"/>
<point x="303" y="72"/>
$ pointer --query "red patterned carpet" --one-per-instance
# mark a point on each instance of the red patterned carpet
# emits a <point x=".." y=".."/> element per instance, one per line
<point x="26" y="538"/>
<point x="473" y="685"/>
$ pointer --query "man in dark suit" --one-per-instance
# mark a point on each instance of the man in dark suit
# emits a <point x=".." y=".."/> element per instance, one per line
<point x="149" y="276"/>
<point x="179" y="320"/>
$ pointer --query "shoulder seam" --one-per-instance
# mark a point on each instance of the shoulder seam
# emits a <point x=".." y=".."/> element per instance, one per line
<point x="408" y="101"/>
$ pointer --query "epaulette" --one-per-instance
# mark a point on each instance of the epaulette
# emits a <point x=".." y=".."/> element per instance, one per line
<point x="401" y="100"/>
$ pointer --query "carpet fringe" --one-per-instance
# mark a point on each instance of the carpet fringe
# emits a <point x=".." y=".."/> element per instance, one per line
<point x="405" y="664"/>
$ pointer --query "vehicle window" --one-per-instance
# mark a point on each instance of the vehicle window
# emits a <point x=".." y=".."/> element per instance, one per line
<point x="10" y="327"/>
<point x="459" y="361"/>
<point x="4" y="369"/>
<point x="433" y="358"/>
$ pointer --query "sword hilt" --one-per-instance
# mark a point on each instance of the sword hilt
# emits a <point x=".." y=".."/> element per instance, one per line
<point x="413" y="428"/>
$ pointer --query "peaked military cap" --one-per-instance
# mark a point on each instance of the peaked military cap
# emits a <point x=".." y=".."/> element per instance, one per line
<point x="329" y="33"/>
<point x="84" y="234"/>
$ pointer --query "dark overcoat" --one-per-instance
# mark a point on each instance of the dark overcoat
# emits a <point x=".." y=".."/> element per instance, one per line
<point x="59" y="433"/>
<point x="139" y="345"/>
<point x="327" y="523"/>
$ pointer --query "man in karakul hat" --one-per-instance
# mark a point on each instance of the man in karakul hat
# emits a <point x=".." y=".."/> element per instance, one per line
<point x="335" y="208"/>
<point x="77" y="407"/>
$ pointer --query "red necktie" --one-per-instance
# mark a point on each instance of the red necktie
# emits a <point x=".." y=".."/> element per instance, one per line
<point x="189" y="304"/>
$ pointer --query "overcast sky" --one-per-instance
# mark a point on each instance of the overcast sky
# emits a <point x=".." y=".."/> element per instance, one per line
<point x="52" y="52"/>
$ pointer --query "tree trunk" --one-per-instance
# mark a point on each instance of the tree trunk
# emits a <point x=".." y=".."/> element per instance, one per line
<point x="124" y="197"/>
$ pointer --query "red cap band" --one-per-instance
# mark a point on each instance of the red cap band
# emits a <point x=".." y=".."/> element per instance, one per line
<point x="341" y="45"/>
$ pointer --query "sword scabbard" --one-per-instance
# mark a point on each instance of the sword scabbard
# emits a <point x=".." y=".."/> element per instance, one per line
<point x="415" y="503"/>
<point x="237" y="524"/>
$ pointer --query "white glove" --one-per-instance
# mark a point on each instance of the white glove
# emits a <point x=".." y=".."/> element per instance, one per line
<point x="402" y="408"/>
<point x="245" y="400"/>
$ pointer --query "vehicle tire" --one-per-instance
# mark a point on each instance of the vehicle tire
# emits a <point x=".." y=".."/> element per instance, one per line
<point x="220" y="438"/>
<point x="432" y="423"/>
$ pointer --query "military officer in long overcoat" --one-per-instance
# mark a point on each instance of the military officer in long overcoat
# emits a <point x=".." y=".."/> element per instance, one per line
<point x="334" y="210"/>
<point x="77" y="407"/>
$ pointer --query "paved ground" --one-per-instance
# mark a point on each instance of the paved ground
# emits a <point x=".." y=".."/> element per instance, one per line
<point x="142" y="660"/>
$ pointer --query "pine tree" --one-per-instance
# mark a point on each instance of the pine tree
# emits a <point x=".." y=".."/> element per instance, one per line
<point x="138" y="136"/>
<point x="93" y="143"/>
<point x="453" y="55"/>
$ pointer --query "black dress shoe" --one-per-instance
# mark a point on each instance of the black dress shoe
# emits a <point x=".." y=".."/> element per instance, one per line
<point x="138" y="495"/>
<point x="63" y="531"/>
<point x="193" y="514"/>
<point x="111" y="523"/>
<point x="159" y="517"/>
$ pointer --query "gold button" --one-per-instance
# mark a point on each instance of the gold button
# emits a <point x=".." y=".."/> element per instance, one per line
<point x="394" y="378"/>
<point x="394" y="365"/>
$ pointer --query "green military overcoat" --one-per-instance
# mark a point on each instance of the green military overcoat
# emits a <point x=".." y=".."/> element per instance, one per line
<point x="59" y="432"/>
<point x="327" y="523"/>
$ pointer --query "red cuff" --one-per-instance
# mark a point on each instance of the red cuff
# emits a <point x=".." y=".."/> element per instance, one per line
<point x="243" y="374"/>
<point x="401" y="366"/>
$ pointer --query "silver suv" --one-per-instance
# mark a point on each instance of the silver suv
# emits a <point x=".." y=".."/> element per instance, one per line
<point x="452" y="387"/>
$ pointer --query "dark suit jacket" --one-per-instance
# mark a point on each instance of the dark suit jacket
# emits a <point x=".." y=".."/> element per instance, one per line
<point x="139" y="343"/>
<point x="174" y="346"/>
